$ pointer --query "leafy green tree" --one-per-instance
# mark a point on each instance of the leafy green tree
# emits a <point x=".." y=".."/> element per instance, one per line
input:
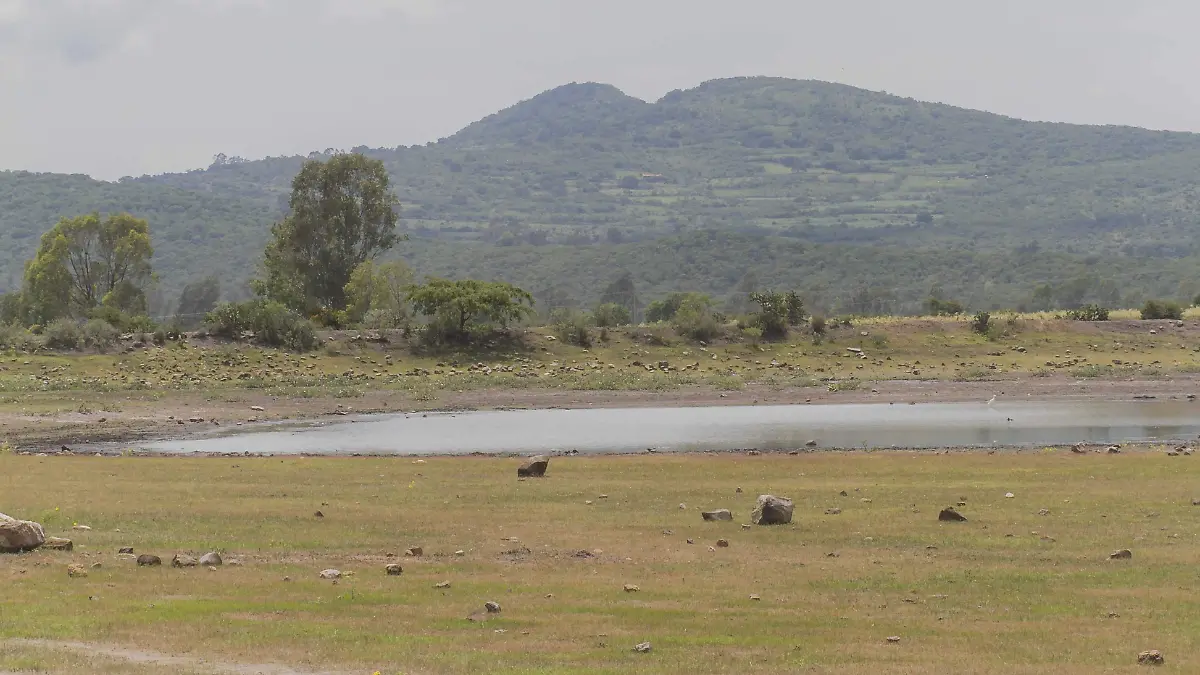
<point x="199" y="297"/>
<point x="457" y="307"/>
<point x="776" y="312"/>
<point x="622" y="292"/>
<point x="1162" y="309"/>
<point x="610" y="314"/>
<point x="85" y="262"/>
<point x="695" y="318"/>
<point x="343" y="213"/>
<point x="377" y="294"/>
<point x="940" y="307"/>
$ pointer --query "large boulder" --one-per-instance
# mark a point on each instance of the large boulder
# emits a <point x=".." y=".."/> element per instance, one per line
<point x="719" y="514"/>
<point x="535" y="467"/>
<point x="772" y="510"/>
<point x="20" y="535"/>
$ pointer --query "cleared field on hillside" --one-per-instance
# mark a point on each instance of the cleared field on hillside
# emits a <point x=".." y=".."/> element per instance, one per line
<point x="1015" y="589"/>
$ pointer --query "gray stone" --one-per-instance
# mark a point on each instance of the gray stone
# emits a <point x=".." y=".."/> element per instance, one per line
<point x="534" y="467"/>
<point x="772" y="510"/>
<point x="20" y="535"/>
<point x="719" y="514"/>
<point x="331" y="574"/>
<point x="59" y="544"/>
<point x="642" y="648"/>
<point x="492" y="607"/>
<point x="1152" y="657"/>
<point x="394" y="570"/>
<point x="183" y="560"/>
<point x="1123" y="554"/>
<point x="147" y="560"/>
<point x="211" y="559"/>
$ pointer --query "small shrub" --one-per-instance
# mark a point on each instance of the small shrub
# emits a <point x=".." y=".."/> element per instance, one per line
<point x="1160" y="309"/>
<point x="13" y="336"/>
<point x="572" y="327"/>
<point x="695" y="319"/>
<point x="271" y="323"/>
<point x="939" y="307"/>
<point x="99" y="334"/>
<point x="610" y="315"/>
<point x="818" y="325"/>
<point x="879" y="340"/>
<point x="63" y="334"/>
<point x="981" y="323"/>
<point x="1088" y="313"/>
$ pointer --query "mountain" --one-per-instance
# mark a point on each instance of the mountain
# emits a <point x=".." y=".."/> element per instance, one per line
<point x="584" y="171"/>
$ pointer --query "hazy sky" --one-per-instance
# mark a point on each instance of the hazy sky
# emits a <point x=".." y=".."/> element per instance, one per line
<point x="126" y="87"/>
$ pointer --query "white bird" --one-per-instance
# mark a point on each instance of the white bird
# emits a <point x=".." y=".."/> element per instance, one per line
<point x="992" y="399"/>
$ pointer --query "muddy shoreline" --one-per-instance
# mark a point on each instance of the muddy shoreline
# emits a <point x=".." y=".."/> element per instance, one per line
<point x="184" y="415"/>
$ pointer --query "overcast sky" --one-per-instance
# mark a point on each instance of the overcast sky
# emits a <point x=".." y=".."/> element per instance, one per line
<point x="127" y="87"/>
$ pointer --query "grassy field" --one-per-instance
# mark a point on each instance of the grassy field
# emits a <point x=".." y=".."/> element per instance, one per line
<point x="1010" y="591"/>
<point x="629" y="359"/>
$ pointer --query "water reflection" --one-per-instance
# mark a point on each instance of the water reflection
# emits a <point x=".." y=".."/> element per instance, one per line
<point x="723" y="428"/>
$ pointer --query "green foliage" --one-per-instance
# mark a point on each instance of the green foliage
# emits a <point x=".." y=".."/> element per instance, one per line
<point x="939" y="307"/>
<point x="609" y="315"/>
<point x="1161" y="309"/>
<point x="814" y="186"/>
<point x="623" y="293"/>
<point x="14" y="309"/>
<point x="198" y="298"/>
<point x="818" y="325"/>
<point x="267" y="322"/>
<point x="16" y="337"/>
<point x="665" y="309"/>
<point x="572" y="327"/>
<point x="777" y="312"/>
<point x="1088" y="313"/>
<point x="343" y="213"/>
<point x="120" y="320"/>
<point x="695" y="318"/>
<point x="98" y="334"/>
<point x="376" y="294"/>
<point x="981" y="322"/>
<point x="85" y="262"/>
<point x="456" y="308"/>
<point x="63" y="333"/>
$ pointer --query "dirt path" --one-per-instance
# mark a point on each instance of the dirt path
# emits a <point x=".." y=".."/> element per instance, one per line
<point x="184" y="414"/>
<point x="159" y="660"/>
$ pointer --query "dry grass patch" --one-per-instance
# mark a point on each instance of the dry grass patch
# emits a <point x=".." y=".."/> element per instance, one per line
<point x="963" y="597"/>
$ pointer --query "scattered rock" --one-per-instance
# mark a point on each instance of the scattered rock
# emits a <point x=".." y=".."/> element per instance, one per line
<point x="756" y="597"/>
<point x="1152" y="657"/>
<point x="535" y="467"/>
<point x="58" y="544"/>
<point x="772" y="510"/>
<point x="492" y="607"/>
<point x="738" y="491"/>
<point x="257" y="408"/>
<point x="584" y="554"/>
<point x="1123" y="554"/>
<point x="460" y="553"/>
<point x="683" y="507"/>
<point x="76" y="572"/>
<point x="318" y="514"/>
<point x="81" y="528"/>
<point x="719" y="514"/>
<point x="642" y="648"/>
<point x="442" y="584"/>
<point x="630" y="588"/>
<point x="147" y="560"/>
<point x="127" y="550"/>
<point x="211" y="560"/>
<point x="833" y="512"/>
<point x="722" y="543"/>
<point x="894" y="639"/>
<point x="17" y="536"/>
<point x="394" y="570"/>
<point x="182" y="560"/>
<point x="949" y="515"/>
<point x="415" y="552"/>
<point x="331" y="574"/>
<point x="1043" y="512"/>
<point x="1009" y="495"/>
<point x="1114" y="449"/>
<point x="811" y="444"/>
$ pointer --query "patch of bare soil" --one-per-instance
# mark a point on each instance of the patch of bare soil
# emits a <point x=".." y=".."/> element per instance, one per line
<point x="156" y="659"/>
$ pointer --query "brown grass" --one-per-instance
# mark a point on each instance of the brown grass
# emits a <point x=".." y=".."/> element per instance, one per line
<point x="964" y="598"/>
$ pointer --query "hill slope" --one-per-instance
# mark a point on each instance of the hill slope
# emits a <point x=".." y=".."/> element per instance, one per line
<point x="810" y="161"/>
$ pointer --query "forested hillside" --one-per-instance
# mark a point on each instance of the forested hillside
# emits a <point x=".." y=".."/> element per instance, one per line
<point x="829" y="188"/>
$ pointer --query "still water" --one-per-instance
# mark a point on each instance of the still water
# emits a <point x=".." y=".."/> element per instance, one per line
<point x="623" y="430"/>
